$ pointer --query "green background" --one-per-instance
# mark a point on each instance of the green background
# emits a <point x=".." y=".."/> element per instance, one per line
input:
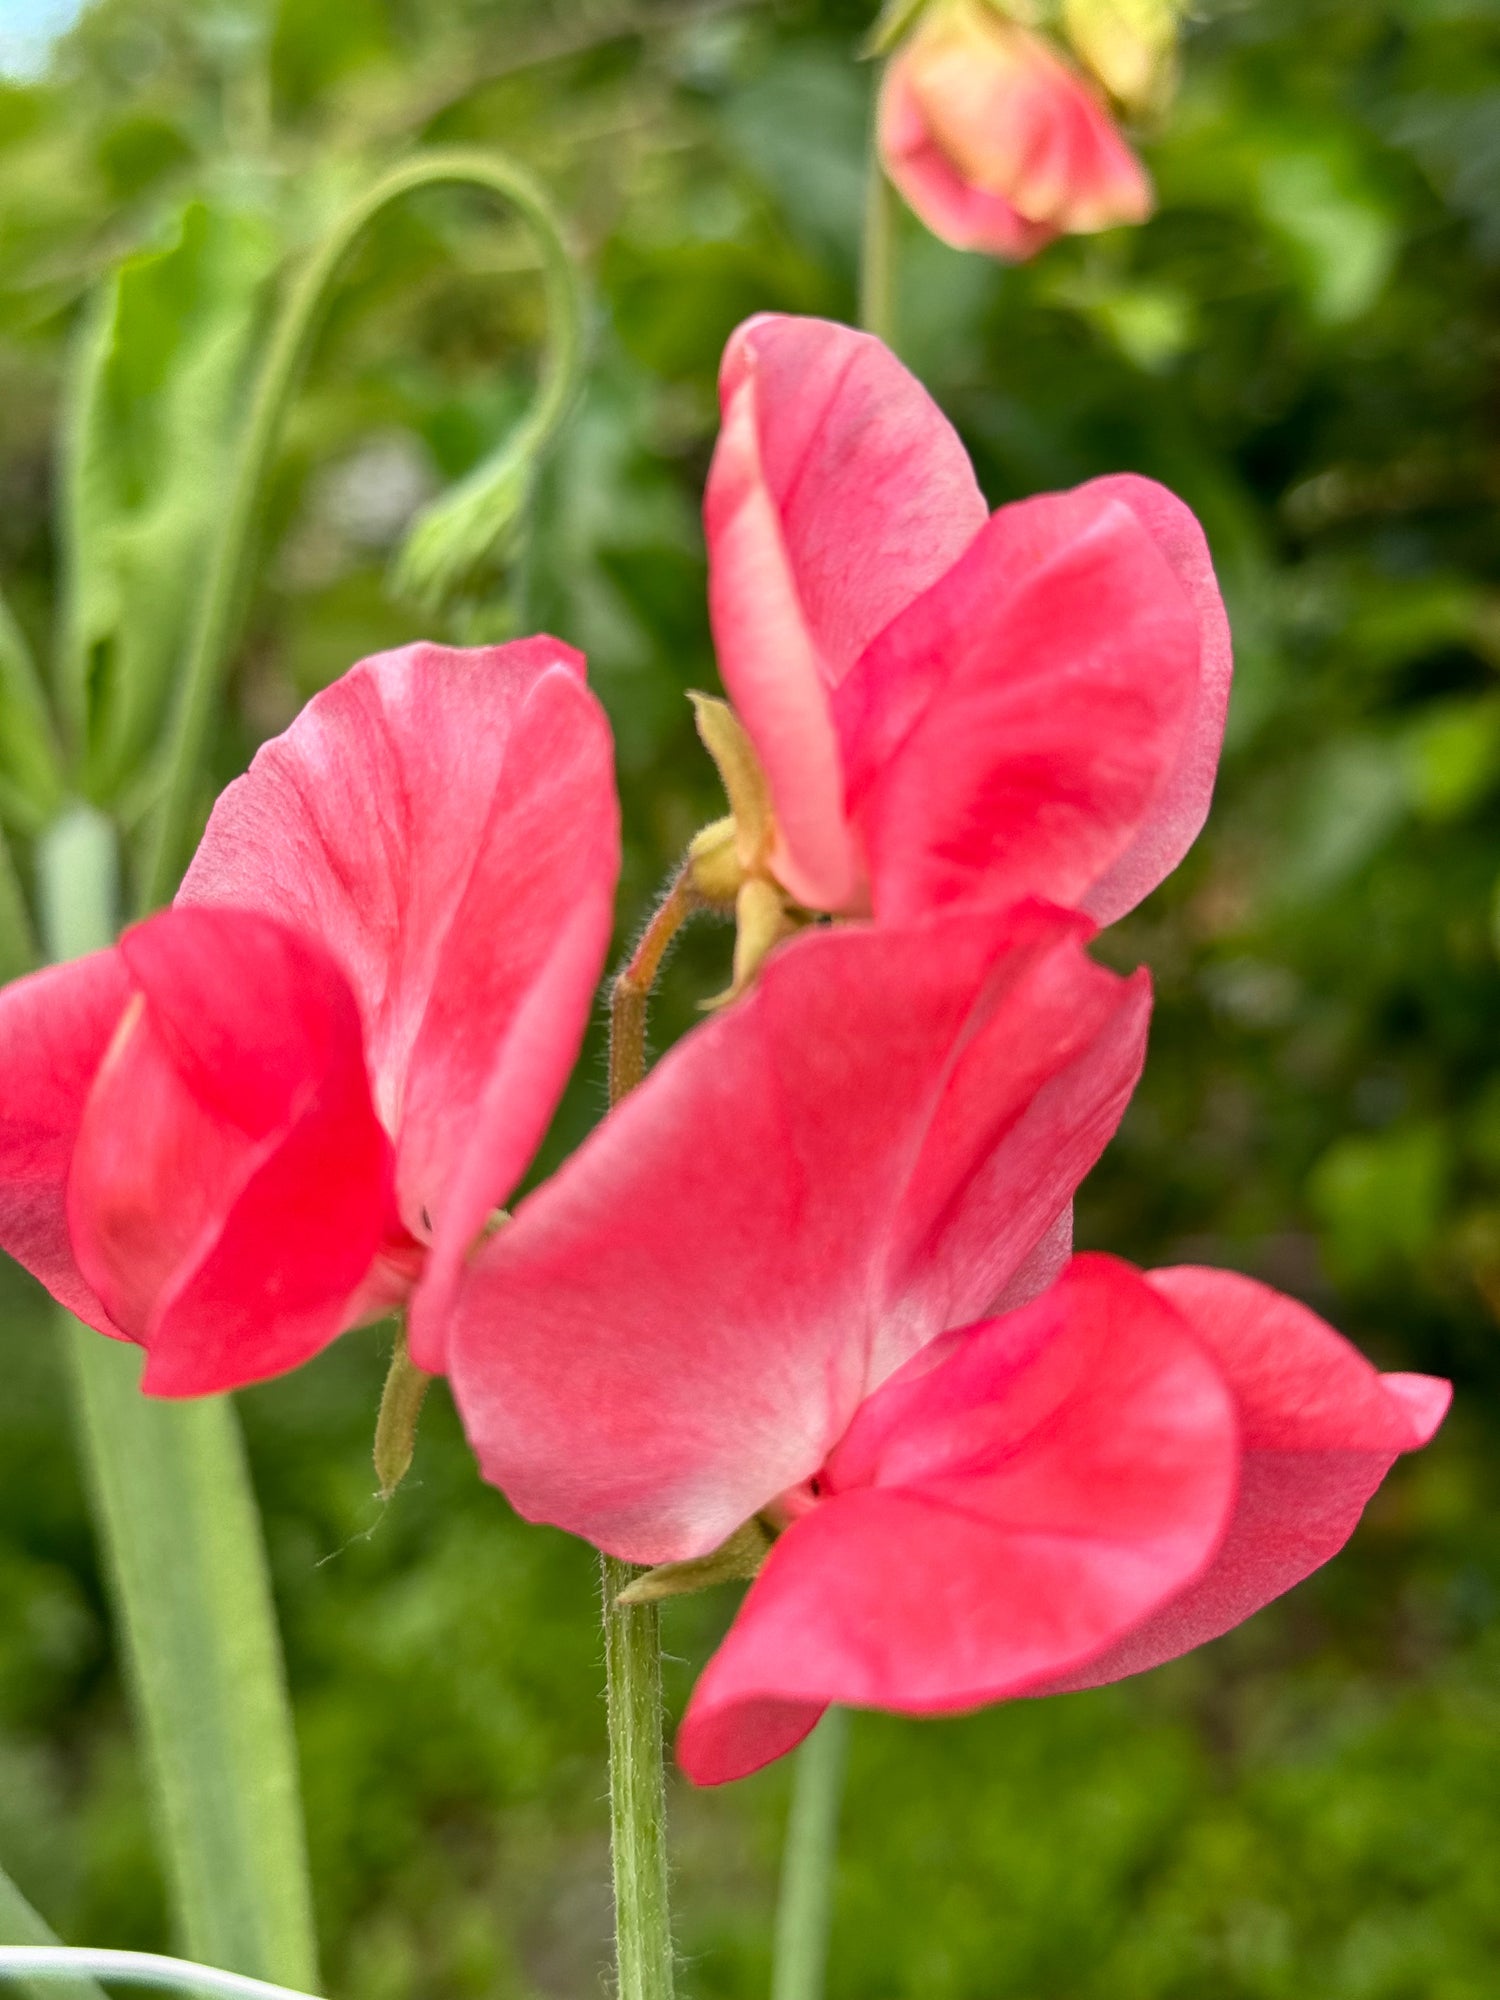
<point x="1305" y="343"/>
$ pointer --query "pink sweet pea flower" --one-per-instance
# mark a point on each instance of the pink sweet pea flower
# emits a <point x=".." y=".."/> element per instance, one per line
<point x="950" y="706"/>
<point x="1056" y="1498"/>
<point x="270" y="1111"/>
<point x="996" y="142"/>
<point x="879" y="1142"/>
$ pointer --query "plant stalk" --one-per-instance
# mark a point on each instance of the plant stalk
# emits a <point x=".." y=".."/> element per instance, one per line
<point x="631" y="995"/>
<point x="632" y="1632"/>
<point x="181" y="1538"/>
<point x="804" y="1908"/>
<point x="231" y="554"/>
<point x="637" y="1791"/>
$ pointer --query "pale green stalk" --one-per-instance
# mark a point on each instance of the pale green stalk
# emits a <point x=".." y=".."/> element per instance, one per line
<point x="74" y="1968"/>
<point x="632" y="1632"/>
<point x="637" y="1791"/>
<point x="805" y="1908"/>
<point x="183" y="1551"/>
<point x="231" y="553"/>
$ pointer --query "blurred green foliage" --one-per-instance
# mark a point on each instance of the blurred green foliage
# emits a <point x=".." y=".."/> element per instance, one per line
<point x="1304" y="344"/>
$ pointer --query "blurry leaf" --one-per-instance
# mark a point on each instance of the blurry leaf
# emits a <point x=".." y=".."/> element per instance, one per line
<point x="314" y="47"/>
<point x="18" y="944"/>
<point x="20" y="1924"/>
<point x="151" y="423"/>
<point x="1454" y="757"/>
<point x="1380" y="1199"/>
<point x="801" y="128"/>
<point x="1351" y="800"/>
<point x="1343" y="239"/>
<point x="676" y="305"/>
<point x="28" y="750"/>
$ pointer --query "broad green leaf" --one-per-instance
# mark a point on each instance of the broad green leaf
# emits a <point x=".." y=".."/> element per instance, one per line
<point x="20" y="1924"/>
<point x="152" y="415"/>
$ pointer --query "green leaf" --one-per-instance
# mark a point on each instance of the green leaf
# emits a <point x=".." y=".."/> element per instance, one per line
<point x="1380" y="1198"/>
<point x="151" y="419"/>
<point x="20" y="1924"/>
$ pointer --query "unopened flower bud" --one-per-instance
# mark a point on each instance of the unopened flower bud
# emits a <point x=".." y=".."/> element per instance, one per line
<point x="996" y="142"/>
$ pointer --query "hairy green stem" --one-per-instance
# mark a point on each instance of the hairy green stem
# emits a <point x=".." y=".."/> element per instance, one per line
<point x="182" y="1543"/>
<point x="230" y="556"/>
<point x="632" y="1632"/>
<point x="637" y="1791"/>
<point x="74" y="1965"/>
<point x="805" y="1907"/>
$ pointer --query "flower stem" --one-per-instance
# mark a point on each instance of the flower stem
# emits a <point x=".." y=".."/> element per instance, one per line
<point x="72" y="1963"/>
<point x="632" y="1632"/>
<point x="291" y="342"/>
<point x="637" y="1791"/>
<point x="632" y="988"/>
<point x="804" y="1909"/>
<point x="877" y="263"/>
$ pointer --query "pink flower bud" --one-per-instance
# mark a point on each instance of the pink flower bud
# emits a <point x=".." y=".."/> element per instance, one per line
<point x="997" y="143"/>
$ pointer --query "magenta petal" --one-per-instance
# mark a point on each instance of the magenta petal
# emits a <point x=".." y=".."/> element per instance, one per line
<point x="445" y="822"/>
<point x="991" y="1517"/>
<point x="1320" y="1427"/>
<point x="1013" y="731"/>
<point x="838" y="493"/>
<point x="54" y="1029"/>
<point x="230" y="1182"/>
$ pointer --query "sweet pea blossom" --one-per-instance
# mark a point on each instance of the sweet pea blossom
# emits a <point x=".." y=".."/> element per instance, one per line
<point x="996" y="142"/>
<point x="271" y="1111"/>
<point x="879" y="1142"/>
<point x="803" y="1304"/>
<point x="949" y="706"/>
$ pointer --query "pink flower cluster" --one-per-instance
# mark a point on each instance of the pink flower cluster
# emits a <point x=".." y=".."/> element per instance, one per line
<point x="815" y="1274"/>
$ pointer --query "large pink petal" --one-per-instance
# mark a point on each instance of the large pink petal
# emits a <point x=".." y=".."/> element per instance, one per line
<point x="54" y="1029"/>
<point x="1014" y="730"/>
<point x="1320" y="1430"/>
<point x="445" y="823"/>
<point x="954" y="208"/>
<point x="994" y="1514"/>
<point x="1181" y="806"/>
<point x="838" y="492"/>
<point x="230" y="1184"/>
<point x="1047" y="1065"/>
<point x="680" y="1324"/>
